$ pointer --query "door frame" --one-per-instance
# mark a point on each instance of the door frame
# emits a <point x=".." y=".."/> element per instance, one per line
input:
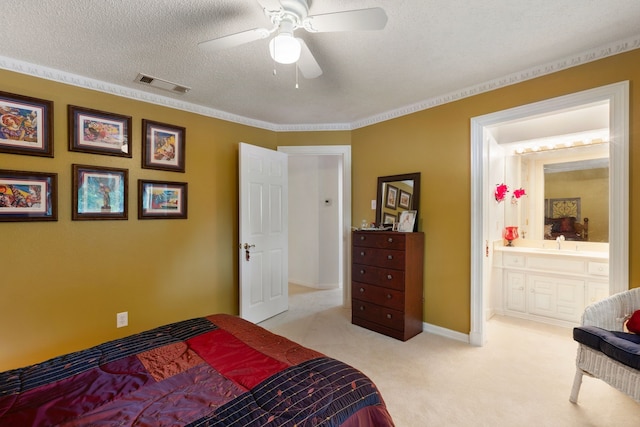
<point x="344" y="151"/>
<point x="618" y="96"/>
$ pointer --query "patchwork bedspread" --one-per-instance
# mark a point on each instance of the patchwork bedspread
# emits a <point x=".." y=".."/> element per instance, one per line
<point x="218" y="370"/>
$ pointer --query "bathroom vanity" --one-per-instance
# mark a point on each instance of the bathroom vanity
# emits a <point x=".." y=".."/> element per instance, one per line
<point x="548" y="284"/>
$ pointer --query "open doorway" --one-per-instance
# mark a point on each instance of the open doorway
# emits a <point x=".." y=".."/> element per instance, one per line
<point x="342" y="155"/>
<point x="482" y="189"/>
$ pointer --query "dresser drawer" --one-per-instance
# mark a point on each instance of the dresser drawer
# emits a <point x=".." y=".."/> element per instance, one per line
<point x="386" y="297"/>
<point x="378" y="276"/>
<point x="375" y="239"/>
<point x="388" y="258"/>
<point x="384" y="316"/>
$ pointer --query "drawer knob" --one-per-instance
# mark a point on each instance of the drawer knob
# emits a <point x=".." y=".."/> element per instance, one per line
<point x="361" y="271"/>
<point x="362" y="308"/>
<point x="390" y="240"/>
<point x="389" y="277"/>
<point x="389" y="316"/>
<point x="362" y="237"/>
<point x="362" y="253"/>
<point x="361" y="290"/>
<point x="388" y="296"/>
<point x="389" y="256"/>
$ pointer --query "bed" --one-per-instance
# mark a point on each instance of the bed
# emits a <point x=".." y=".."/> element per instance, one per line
<point x="218" y="370"/>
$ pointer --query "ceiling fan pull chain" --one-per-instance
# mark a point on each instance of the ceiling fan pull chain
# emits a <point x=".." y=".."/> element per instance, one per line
<point x="297" y="86"/>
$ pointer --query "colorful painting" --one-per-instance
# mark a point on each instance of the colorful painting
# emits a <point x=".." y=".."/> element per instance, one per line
<point x="27" y="196"/>
<point x="99" y="193"/>
<point x="162" y="199"/>
<point x="25" y="125"/>
<point x="164" y="146"/>
<point x="98" y="132"/>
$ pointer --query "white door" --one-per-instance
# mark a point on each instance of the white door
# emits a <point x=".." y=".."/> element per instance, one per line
<point x="263" y="233"/>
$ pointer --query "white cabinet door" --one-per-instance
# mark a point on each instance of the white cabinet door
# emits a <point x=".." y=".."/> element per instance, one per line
<point x="559" y="298"/>
<point x="515" y="295"/>
<point x="596" y="291"/>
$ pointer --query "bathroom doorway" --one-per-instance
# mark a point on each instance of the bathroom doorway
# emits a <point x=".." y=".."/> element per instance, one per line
<point x="482" y="189"/>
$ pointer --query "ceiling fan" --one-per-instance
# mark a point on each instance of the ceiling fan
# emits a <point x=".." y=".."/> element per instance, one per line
<point x="289" y="15"/>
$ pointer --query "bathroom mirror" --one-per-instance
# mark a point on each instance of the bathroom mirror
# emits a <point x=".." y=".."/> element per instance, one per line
<point x="397" y="193"/>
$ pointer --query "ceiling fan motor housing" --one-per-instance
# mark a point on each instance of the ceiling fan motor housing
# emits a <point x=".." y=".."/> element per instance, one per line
<point x="294" y="11"/>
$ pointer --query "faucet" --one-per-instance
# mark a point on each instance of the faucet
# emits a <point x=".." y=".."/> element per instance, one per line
<point x="560" y="239"/>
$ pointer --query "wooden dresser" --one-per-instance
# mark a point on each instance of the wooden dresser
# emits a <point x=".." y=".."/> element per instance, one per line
<point x="386" y="282"/>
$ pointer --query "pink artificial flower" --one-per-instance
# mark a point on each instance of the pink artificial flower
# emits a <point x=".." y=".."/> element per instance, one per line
<point x="501" y="192"/>
<point x="519" y="193"/>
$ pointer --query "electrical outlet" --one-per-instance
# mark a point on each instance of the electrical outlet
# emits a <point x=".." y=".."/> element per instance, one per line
<point x="122" y="319"/>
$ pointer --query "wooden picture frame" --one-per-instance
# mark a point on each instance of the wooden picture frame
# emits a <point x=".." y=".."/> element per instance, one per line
<point x="99" y="193"/>
<point x="28" y="196"/>
<point x="98" y="132"/>
<point x="163" y="146"/>
<point x="26" y="125"/>
<point x="391" y="197"/>
<point x="407" y="220"/>
<point x="162" y="199"/>
<point x="388" y="218"/>
<point x="404" y="201"/>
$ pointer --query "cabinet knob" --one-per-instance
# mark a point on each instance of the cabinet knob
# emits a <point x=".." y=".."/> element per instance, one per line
<point x="361" y="290"/>
<point x="388" y="296"/>
<point x="389" y="256"/>
<point x="362" y="253"/>
<point x="390" y="240"/>
<point x="389" y="316"/>
<point x="362" y="308"/>
<point x="389" y="277"/>
<point x="361" y="271"/>
<point x="362" y="237"/>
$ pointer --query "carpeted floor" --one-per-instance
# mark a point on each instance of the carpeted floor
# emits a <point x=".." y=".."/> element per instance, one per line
<point x="522" y="377"/>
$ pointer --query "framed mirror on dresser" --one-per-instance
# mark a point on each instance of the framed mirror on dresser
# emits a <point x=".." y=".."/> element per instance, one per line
<point x="396" y="194"/>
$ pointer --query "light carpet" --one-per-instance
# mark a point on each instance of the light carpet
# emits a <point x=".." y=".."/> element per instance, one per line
<point x="521" y="377"/>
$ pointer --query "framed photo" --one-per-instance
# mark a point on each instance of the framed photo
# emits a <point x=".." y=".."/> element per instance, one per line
<point x="162" y="199"/>
<point x="28" y="196"/>
<point x="391" y="197"/>
<point x="98" y="132"/>
<point x="26" y="125"/>
<point x="405" y="200"/>
<point x="99" y="193"/>
<point x="388" y="218"/>
<point x="407" y="220"/>
<point x="163" y="147"/>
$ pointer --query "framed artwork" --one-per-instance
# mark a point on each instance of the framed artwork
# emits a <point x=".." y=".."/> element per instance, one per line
<point x="162" y="199"/>
<point x="405" y="200"/>
<point x="28" y="196"/>
<point x="391" y="197"/>
<point x="98" y="132"/>
<point x="406" y="221"/>
<point x="163" y="146"/>
<point x="389" y="218"/>
<point x="99" y="192"/>
<point x="26" y="125"/>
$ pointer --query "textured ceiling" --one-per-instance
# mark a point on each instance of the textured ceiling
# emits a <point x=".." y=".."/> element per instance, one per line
<point x="431" y="51"/>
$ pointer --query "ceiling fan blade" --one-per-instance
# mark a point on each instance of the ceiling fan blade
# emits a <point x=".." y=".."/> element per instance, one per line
<point x="351" y="20"/>
<point x="233" y="40"/>
<point x="270" y="5"/>
<point x="307" y="64"/>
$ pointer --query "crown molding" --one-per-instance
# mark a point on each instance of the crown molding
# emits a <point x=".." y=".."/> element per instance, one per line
<point x="139" y="95"/>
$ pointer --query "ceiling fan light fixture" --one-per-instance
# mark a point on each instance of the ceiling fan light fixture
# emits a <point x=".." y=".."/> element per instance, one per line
<point x="284" y="48"/>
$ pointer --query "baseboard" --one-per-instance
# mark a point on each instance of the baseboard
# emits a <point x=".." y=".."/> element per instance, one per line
<point x="444" y="332"/>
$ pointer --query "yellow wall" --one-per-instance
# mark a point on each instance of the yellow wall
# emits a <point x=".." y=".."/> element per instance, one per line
<point x="62" y="283"/>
